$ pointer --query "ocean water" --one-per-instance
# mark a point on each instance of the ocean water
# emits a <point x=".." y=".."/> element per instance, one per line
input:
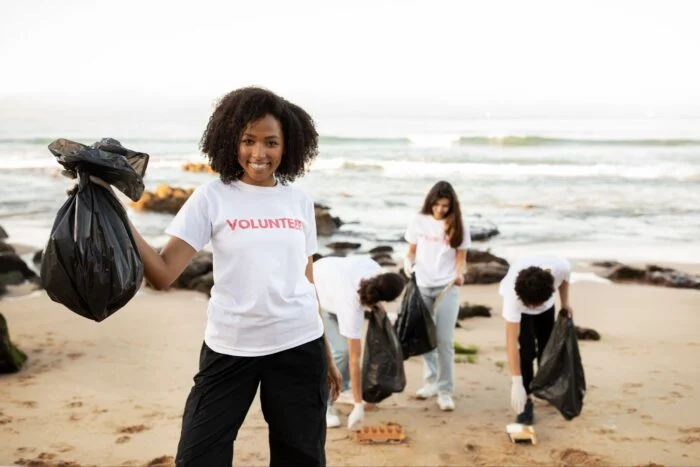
<point x="593" y="187"/>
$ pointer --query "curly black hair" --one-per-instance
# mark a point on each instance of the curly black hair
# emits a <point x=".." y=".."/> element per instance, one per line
<point x="383" y="287"/>
<point x="243" y="106"/>
<point x="454" y="229"/>
<point x="534" y="286"/>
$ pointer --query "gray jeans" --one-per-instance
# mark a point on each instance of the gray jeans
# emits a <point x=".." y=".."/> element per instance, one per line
<point x="339" y="347"/>
<point x="439" y="363"/>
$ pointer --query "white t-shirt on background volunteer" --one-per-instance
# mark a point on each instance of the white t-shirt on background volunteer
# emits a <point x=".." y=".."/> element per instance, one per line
<point x="337" y="281"/>
<point x="513" y="307"/>
<point x="436" y="260"/>
<point x="261" y="238"/>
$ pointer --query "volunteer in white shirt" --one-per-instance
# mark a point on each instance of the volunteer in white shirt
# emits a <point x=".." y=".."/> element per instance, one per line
<point x="438" y="240"/>
<point x="263" y="321"/>
<point x="528" y="292"/>
<point x="346" y="287"/>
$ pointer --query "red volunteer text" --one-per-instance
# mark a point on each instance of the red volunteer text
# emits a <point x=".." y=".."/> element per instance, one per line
<point x="279" y="223"/>
<point x="429" y="238"/>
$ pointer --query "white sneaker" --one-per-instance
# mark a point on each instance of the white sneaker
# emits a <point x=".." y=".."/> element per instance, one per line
<point x="332" y="418"/>
<point x="427" y="391"/>
<point x="446" y="403"/>
<point x="346" y="398"/>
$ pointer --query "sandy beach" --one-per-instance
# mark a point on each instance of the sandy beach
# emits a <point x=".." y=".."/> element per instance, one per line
<point x="112" y="393"/>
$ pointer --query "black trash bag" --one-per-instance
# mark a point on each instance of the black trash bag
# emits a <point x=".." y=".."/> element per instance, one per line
<point x="560" y="379"/>
<point x="91" y="263"/>
<point x="415" y="326"/>
<point x="382" y="362"/>
<point x="106" y="159"/>
<point x="11" y="358"/>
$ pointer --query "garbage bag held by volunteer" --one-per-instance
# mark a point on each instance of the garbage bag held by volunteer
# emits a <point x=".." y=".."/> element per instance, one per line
<point x="560" y="379"/>
<point x="382" y="366"/>
<point x="415" y="326"/>
<point x="106" y="159"/>
<point x="91" y="263"/>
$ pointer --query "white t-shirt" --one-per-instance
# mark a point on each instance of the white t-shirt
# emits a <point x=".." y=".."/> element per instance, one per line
<point x="261" y="238"/>
<point x="435" y="258"/>
<point x="337" y="281"/>
<point x="513" y="307"/>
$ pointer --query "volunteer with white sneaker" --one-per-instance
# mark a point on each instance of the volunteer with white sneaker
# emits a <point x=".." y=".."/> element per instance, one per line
<point x="345" y="287"/>
<point x="438" y="240"/>
<point x="528" y="292"/>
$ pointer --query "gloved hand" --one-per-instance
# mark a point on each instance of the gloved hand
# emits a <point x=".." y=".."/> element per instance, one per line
<point x="357" y="415"/>
<point x="407" y="266"/>
<point x="518" y="396"/>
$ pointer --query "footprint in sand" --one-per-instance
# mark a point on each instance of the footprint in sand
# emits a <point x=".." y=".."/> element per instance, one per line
<point x="162" y="461"/>
<point x="25" y="450"/>
<point x="571" y="456"/>
<point x="629" y="388"/>
<point x="75" y="355"/>
<point x="75" y="404"/>
<point x="690" y="440"/>
<point x="133" y="429"/>
<point x="692" y="429"/>
<point x="27" y="404"/>
<point x="63" y="447"/>
<point x="122" y="439"/>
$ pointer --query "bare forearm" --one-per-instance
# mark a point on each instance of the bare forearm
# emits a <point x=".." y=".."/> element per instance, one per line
<point x="564" y="294"/>
<point x="161" y="269"/>
<point x="356" y="379"/>
<point x="512" y="332"/>
<point x="461" y="262"/>
<point x="354" y="355"/>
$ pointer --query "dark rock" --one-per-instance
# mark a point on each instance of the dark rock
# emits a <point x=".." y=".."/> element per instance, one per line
<point x="469" y="311"/>
<point x="344" y="246"/>
<point x="479" y="256"/>
<point x="326" y="224"/>
<point x="316" y="256"/>
<point x="382" y="257"/>
<point x="200" y="265"/>
<point x="479" y="234"/>
<point x="587" y="334"/>
<point x="622" y="272"/>
<point x="606" y="264"/>
<point x="382" y="249"/>
<point x="164" y="199"/>
<point x="6" y="248"/>
<point x="3" y="234"/>
<point x="203" y="283"/>
<point x="485" y="273"/>
<point x="36" y="259"/>
<point x="11" y="358"/>
<point x="653" y="275"/>
<point x="13" y="270"/>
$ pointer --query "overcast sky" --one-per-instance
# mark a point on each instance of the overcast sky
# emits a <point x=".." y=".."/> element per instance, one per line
<point x="635" y="54"/>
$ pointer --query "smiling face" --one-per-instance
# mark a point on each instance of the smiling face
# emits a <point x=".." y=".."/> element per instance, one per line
<point x="260" y="151"/>
<point x="441" y="208"/>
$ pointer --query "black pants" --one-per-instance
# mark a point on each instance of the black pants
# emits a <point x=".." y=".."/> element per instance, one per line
<point x="534" y="334"/>
<point x="293" y="392"/>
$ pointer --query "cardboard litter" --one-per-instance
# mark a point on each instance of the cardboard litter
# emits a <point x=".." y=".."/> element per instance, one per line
<point x="389" y="433"/>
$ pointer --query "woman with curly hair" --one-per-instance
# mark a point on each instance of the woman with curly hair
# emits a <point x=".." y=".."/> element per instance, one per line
<point x="264" y="327"/>
<point x="346" y="287"/>
<point x="528" y="307"/>
<point x="438" y="239"/>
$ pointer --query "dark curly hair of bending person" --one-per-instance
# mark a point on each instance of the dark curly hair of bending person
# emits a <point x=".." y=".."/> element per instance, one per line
<point x="243" y="106"/>
<point x="381" y="288"/>
<point x="534" y="286"/>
